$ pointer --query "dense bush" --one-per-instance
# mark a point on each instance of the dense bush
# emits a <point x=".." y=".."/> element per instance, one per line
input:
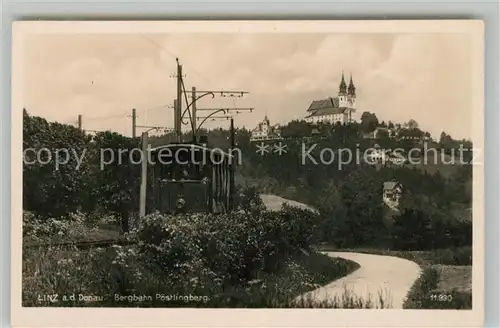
<point x="415" y="230"/>
<point x="115" y="186"/>
<point x="41" y="229"/>
<point x="232" y="247"/>
<point x="248" y="199"/>
<point x="51" y="190"/>
<point x="80" y="182"/>
<point x="233" y="260"/>
<point x="424" y="294"/>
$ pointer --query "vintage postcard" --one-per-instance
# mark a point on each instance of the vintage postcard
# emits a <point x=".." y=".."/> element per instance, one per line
<point x="247" y="173"/>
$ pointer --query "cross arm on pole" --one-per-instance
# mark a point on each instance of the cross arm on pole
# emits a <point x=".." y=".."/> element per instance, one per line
<point x="222" y="92"/>
<point x="228" y="109"/>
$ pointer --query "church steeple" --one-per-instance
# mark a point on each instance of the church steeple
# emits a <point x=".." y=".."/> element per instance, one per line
<point x="351" y="89"/>
<point x="343" y="85"/>
<point x="347" y="94"/>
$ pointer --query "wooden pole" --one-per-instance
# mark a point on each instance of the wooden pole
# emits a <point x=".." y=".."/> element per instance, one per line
<point x="134" y="123"/>
<point x="177" y="121"/>
<point x="144" y="175"/>
<point x="231" y="167"/>
<point x="193" y="106"/>
<point x="179" y="101"/>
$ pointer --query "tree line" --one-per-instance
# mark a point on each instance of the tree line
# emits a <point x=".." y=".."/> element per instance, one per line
<point x="349" y="199"/>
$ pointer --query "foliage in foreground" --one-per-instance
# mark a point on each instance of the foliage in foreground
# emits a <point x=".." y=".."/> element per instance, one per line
<point x="425" y="294"/>
<point x="346" y="300"/>
<point x="121" y="271"/>
<point x="233" y="260"/>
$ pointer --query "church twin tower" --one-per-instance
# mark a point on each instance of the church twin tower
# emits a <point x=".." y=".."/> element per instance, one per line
<point x="347" y="94"/>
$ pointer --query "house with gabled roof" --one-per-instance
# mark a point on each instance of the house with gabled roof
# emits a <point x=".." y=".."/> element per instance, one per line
<point x="334" y="110"/>
<point x="265" y="131"/>
<point x="392" y="193"/>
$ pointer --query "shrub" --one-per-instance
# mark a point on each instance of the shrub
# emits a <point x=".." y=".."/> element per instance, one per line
<point x="453" y="256"/>
<point x="424" y="294"/>
<point x="232" y="247"/>
<point x="46" y="190"/>
<point x="248" y="199"/>
<point x="37" y="228"/>
<point x="417" y="230"/>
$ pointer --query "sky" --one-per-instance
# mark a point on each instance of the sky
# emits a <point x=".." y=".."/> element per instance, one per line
<point x="425" y="77"/>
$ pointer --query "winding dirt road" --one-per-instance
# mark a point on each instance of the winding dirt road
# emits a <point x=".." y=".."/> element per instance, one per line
<point x="383" y="280"/>
<point x="386" y="277"/>
<point x="274" y="203"/>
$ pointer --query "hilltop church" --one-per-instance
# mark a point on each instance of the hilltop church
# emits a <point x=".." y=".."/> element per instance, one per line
<point x="334" y="110"/>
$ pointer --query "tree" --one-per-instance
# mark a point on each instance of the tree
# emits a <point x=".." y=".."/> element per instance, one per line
<point x="116" y="185"/>
<point x="412" y="230"/>
<point x="445" y="139"/>
<point x="49" y="190"/>
<point x="369" y="122"/>
<point x="296" y="129"/>
<point x="362" y="198"/>
<point x="412" y="124"/>
<point x="390" y="125"/>
<point x="333" y="212"/>
<point x="383" y="134"/>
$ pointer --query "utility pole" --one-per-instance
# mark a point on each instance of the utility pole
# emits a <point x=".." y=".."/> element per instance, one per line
<point x="177" y="121"/>
<point x="80" y="122"/>
<point x="193" y="106"/>
<point x="178" y="106"/>
<point x="144" y="175"/>
<point x="231" y="136"/>
<point x="231" y="164"/>
<point x="134" y="117"/>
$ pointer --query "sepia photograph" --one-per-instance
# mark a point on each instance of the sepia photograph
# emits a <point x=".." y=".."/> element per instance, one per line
<point x="255" y="168"/>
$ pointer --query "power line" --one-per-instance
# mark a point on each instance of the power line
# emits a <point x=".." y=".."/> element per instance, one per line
<point x="214" y="117"/>
<point x="173" y="56"/>
<point x="158" y="107"/>
<point x="158" y="46"/>
<point x="229" y="109"/>
<point x="102" y="118"/>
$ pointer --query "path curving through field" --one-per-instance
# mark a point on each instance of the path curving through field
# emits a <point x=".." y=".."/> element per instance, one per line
<point x="379" y="277"/>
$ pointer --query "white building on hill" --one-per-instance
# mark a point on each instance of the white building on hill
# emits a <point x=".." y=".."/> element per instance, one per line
<point x="265" y="131"/>
<point x="334" y="110"/>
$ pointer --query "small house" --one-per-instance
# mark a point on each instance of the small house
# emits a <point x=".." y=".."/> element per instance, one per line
<point x="265" y="131"/>
<point x="392" y="193"/>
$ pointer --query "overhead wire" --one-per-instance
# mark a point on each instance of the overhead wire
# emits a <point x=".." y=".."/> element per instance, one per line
<point x="102" y="118"/>
<point x="174" y="56"/>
